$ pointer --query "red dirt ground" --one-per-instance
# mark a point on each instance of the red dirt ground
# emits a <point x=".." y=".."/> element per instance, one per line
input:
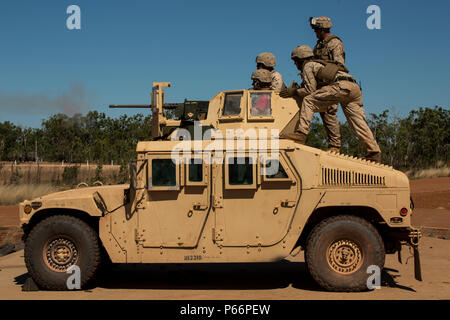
<point x="432" y="201"/>
<point x="9" y="216"/>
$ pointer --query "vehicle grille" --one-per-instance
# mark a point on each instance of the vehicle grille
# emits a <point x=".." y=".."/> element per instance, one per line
<point x="339" y="177"/>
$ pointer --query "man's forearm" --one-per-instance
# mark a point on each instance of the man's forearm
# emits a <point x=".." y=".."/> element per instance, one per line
<point x="302" y="92"/>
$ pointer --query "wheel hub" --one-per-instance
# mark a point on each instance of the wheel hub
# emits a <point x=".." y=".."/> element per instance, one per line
<point x="344" y="256"/>
<point x="60" y="254"/>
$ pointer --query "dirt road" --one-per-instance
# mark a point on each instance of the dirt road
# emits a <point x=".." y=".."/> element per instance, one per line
<point x="287" y="280"/>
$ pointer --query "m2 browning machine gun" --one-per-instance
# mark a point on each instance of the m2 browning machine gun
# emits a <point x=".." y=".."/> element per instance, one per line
<point x="166" y="117"/>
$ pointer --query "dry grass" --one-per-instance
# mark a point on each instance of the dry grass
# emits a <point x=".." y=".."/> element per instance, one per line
<point x="52" y="173"/>
<point x="429" y="173"/>
<point x="13" y="194"/>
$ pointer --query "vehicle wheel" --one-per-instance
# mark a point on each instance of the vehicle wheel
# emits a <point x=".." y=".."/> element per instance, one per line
<point x="340" y="249"/>
<point x="55" y="244"/>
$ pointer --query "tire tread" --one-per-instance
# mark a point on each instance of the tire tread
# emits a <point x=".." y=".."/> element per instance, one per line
<point x="94" y="253"/>
<point x="314" y="237"/>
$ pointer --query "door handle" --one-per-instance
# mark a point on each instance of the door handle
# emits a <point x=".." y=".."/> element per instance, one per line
<point x="198" y="206"/>
<point x="287" y="203"/>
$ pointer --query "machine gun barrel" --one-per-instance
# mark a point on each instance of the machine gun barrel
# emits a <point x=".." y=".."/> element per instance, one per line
<point x="165" y="106"/>
<point x="112" y="106"/>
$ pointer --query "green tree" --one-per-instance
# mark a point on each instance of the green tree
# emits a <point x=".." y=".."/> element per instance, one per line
<point x="317" y="136"/>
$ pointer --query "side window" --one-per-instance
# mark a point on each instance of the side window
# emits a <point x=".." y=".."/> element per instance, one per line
<point x="240" y="171"/>
<point x="274" y="170"/>
<point x="232" y="105"/>
<point x="163" y="173"/>
<point x="260" y="104"/>
<point x="195" y="171"/>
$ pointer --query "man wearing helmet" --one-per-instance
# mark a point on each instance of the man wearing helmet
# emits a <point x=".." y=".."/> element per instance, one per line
<point x="328" y="46"/>
<point x="326" y="84"/>
<point x="262" y="80"/>
<point x="267" y="61"/>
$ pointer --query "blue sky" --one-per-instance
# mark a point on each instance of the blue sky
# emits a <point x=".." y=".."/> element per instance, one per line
<point x="203" y="47"/>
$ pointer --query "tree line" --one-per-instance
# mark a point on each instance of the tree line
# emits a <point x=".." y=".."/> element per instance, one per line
<point x="76" y="139"/>
<point x="420" y="140"/>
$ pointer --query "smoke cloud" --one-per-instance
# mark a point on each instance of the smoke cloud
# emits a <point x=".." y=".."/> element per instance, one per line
<point x="76" y="99"/>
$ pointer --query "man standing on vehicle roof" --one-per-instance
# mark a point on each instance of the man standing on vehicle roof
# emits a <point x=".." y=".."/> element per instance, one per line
<point x="327" y="83"/>
<point x="328" y="47"/>
<point x="267" y="61"/>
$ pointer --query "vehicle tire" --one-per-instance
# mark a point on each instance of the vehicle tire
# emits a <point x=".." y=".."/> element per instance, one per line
<point x="339" y="251"/>
<point x="55" y="244"/>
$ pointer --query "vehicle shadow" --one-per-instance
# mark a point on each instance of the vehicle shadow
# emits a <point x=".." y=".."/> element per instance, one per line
<point x="209" y="276"/>
<point x="217" y="276"/>
<point x="20" y="280"/>
<point x="388" y="280"/>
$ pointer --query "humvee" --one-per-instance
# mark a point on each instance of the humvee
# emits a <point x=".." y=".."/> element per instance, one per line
<point x="217" y="184"/>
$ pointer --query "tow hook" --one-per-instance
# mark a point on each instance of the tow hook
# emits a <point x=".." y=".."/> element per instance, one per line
<point x="414" y="237"/>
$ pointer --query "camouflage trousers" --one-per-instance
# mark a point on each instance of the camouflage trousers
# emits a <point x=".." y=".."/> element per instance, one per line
<point x="331" y="124"/>
<point x="349" y="95"/>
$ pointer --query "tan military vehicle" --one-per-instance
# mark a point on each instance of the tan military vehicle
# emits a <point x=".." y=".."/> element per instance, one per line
<point x="217" y="185"/>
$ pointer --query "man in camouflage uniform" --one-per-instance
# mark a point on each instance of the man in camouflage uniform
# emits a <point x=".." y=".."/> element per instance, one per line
<point x="262" y="80"/>
<point x="326" y="84"/>
<point x="267" y="61"/>
<point x="328" y="47"/>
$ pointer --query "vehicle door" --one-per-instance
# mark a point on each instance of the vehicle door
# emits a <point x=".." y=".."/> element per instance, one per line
<point x="254" y="199"/>
<point x="178" y="201"/>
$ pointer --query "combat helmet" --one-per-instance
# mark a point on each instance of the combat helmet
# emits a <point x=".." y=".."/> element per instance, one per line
<point x="267" y="59"/>
<point x="302" y="52"/>
<point x="320" y="23"/>
<point x="262" y="75"/>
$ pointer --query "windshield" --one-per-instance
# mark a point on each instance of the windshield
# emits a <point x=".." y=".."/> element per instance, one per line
<point x="260" y="104"/>
<point x="232" y="106"/>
